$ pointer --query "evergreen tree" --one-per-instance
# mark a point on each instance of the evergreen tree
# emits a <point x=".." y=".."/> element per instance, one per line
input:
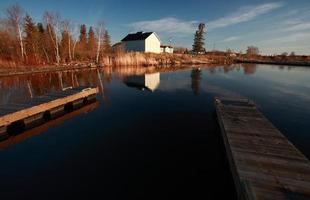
<point x="31" y="40"/>
<point x="91" y="44"/>
<point x="42" y="42"/>
<point x="83" y="39"/>
<point x="107" y="47"/>
<point x="198" y="46"/>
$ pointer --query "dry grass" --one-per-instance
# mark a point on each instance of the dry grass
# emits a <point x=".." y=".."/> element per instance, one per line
<point x="125" y="59"/>
<point x="150" y="59"/>
<point x="7" y="64"/>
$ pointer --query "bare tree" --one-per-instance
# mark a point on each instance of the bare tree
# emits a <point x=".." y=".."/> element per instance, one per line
<point x="252" y="51"/>
<point x="67" y="27"/>
<point x="100" y="32"/>
<point x="15" y="17"/>
<point x="74" y="32"/>
<point x="284" y="54"/>
<point x="53" y="23"/>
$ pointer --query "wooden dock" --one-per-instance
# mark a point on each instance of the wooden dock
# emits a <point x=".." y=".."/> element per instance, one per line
<point x="14" y="139"/>
<point x="39" y="109"/>
<point x="264" y="164"/>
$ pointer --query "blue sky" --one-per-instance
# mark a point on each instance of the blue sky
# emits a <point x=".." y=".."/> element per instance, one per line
<point x="273" y="26"/>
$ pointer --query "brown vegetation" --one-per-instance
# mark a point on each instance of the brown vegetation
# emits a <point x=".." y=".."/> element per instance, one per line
<point x="54" y="41"/>
<point x="150" y="59"/>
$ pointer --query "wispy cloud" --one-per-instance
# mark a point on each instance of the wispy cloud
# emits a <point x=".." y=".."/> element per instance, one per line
<point x="296" y="25"/>
<point x="231" y="39"/>
<point x="244" y="14"/>
<point x="294" y="37"/>
<point x="298" y="42"/>
<point x="166" y="25"/>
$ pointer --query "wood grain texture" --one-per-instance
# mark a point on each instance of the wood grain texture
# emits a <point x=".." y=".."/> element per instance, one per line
<point x="10" y="113"/>
<point x="263" y="162"/>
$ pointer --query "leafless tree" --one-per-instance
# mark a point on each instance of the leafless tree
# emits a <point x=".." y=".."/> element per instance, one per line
<point x="54" y="30"/>
<point x="74" y="32"/>
<point x="15" y="17"/>
<point x="252" y="51"/>
<point x="100" y="32"/>
<point x="67" y="27"/>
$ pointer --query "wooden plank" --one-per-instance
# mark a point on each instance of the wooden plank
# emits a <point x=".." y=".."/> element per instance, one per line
<point x="42" y="104"/>
<point x="42" y="128"/>
<point x="263" y="162"/>
<point x="2" y="130"/>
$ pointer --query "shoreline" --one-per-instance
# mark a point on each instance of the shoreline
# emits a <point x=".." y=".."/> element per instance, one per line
<point x="53" y="68"/>
<point x="26" y="70"/>
<point x="288" y="63"/>
<point x="42" y="69"/>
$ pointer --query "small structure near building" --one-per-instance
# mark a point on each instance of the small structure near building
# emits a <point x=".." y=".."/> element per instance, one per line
<point x="147" y="42"/>
<point x="166" y="49"/>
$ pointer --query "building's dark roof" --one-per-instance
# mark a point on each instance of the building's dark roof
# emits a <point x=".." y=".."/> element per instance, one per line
<point x="165" y="46"/>
<point x="137" y="36"/>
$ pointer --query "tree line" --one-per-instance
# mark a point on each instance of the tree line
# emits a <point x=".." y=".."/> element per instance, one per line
<point x="54" y="40"/>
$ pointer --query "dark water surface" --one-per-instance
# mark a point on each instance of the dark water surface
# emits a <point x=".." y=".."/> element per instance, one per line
<point x="151" y="135"/>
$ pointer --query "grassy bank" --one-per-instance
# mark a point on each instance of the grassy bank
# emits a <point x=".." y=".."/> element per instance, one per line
<point x="273" y="62"/>
<point x="150" y="59"/>
<point x="292" y="60"/>
<point x="116" y="60"/>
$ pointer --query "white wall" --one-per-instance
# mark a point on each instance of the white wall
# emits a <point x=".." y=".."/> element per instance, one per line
<point x="152" y="81"/>
<point x="169" y="50"/>
<point x="138" y="45"/>
<point x="166" y="50"/>
<point x="152" y="44"/>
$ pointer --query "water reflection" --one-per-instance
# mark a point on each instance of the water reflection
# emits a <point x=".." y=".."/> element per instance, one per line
<point x="146" y="81"/>
<point x="249" y="68"/>
<point x="22" y="88"/>
<point x="14" y="139"/>
<point x="140" y="141"/>
<point x="196" y="78"/>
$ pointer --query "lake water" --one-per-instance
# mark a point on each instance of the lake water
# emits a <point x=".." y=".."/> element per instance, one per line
<point x="151" y="135"/>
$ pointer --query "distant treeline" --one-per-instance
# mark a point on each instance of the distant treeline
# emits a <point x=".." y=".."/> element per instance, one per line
<point x="52" y="41"/>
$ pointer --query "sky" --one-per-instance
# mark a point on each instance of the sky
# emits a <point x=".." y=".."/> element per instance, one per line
<point x="273" y="26"/>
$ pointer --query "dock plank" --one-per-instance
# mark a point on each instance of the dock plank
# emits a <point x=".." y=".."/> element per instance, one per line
<point x="263" y="162"/>
<point x="10" y="113"/>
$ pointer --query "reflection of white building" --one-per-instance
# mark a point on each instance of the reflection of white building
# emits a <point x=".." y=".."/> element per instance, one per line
<point x="147" y="81"/>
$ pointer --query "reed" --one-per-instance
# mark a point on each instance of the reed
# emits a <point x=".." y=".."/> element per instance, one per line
<point x="151" y="59"/>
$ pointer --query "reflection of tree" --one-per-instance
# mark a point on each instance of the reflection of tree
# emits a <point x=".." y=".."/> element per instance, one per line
<point x="249" y="68"/>
<point x="21" y="88"/>
<point x="196" y="77"/>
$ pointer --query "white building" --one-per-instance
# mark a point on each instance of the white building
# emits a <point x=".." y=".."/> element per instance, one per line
<point x="148" y="42"/>
<point x="166" y="49"/>
<point x="149" y="82"/>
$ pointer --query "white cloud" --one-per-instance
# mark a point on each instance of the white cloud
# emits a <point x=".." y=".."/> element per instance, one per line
<point x="231" y="39"/>
<point x="244" y="14"/>
<point x="296" y="25"/>
<point x="297" y="42"/>
<point x="166" y="25"/>
<point x="295" y="37"/>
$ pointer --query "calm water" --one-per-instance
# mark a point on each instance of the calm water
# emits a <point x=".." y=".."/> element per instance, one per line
<point x="152" y="134"/>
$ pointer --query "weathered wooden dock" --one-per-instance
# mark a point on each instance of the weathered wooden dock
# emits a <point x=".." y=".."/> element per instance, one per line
<point x="14" y="139"/>
<point x="263" y="162"/>
<point x="39" y="109"/>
